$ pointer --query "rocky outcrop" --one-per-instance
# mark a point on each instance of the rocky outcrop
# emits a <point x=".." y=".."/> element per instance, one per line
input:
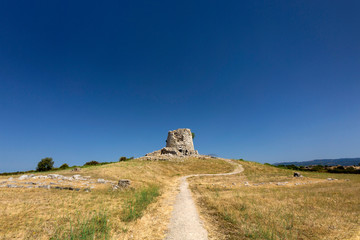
<point x="179" y="143"/>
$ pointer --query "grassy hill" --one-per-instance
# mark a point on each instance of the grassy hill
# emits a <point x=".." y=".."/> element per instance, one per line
<point x="263" y="202"/>
<point x="266" y="202"/>
<point x="101" y="213"/>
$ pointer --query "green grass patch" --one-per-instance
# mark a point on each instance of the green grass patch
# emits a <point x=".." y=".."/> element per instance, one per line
<point x="88" y="227"/>
<point x="135" y="206"/>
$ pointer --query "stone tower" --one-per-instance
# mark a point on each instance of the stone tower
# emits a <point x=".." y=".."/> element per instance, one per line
<point x="179" y="143"/>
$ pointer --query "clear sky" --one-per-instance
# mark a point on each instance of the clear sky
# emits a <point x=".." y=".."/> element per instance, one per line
<point x="266" y="81"/>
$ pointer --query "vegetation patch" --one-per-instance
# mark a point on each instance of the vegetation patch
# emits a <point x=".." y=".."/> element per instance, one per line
<point x="91" y="226"/>
<point x="135" y="206"/>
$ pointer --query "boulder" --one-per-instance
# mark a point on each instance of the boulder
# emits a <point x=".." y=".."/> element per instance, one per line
<point x="54" y="176"/>
<point x="124" y="183"/>
<point x="100" y="180"/>
<point x="23" y="177"/>
<point x="296" y="174"/>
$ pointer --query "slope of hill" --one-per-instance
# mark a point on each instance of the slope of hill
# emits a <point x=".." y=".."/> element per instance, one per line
<point x="266" y="202"/>
<point x="323" y="162"/>
<point x="33" y="211"/>
<point x="263" y="202"/>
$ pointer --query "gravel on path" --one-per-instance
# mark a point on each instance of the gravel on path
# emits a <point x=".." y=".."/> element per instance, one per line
<point x="185" y="223"/>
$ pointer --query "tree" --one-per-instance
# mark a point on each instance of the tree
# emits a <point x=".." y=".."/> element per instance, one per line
<point x="45" y="164"/>
<point x="91" y="163"/>
<point x="122" y="159"/>
<point x="193" y="135"/>
<point x="64" y="166"/>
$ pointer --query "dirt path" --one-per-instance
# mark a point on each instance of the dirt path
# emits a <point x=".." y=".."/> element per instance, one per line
<point x="185" y="223"/>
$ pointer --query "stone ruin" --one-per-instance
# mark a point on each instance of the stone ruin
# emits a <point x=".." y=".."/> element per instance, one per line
<point x="179" y="143"/>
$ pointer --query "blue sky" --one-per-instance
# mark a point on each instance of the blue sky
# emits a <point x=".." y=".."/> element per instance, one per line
<point x="264" y="81"/>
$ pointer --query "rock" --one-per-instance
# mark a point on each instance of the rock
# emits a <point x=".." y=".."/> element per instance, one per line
<point x="77" y="177"/>
<point x="124" y="183"/>
<point x="11" y="186"/>
<point x="169" y="150"/>
<point x="55" y="176"/>
<point x="296" y="174"/>
<point x="45" y="186"/>
<point x="179" y="143"/>
<point x="331" y="179"/>
<point x="30" y="183"/>
<point x="281" y="183"/>
<point x="100" y="180"/>
<point x="23" y="177"/>
<point x="10" y="178"/>
<point x="87" y="190"/>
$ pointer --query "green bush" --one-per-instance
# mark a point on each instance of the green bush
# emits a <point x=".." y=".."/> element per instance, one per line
<point x="122" y="159"/>
<point x="45" y="164"/>
<point x="92" y="163"/>
<point x="64" y="166"/>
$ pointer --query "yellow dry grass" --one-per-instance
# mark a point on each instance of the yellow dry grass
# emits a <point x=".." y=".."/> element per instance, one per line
<point x="38" y="213"/>
<point x="314" y="209"/>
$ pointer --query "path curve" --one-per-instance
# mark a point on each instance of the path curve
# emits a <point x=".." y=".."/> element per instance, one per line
<point x="185" y="223"/>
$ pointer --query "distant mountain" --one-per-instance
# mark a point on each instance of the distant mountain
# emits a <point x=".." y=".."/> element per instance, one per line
<point x="328" y="162"/>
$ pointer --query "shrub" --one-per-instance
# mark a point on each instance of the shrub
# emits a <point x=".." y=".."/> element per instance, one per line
<point x="64" y="166"/>
<point x="122" y="159"/>
<point x="92" y="163"/>
<point x="45" y="164"/>
<point x="193" y="135"/>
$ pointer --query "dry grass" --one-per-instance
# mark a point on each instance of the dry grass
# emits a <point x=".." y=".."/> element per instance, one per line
<point x="39" y="213"/>
<point x="316" y="209"/>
